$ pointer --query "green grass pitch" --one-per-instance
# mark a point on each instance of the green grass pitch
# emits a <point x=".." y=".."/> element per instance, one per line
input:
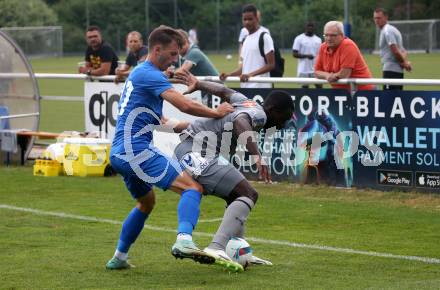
<point x="291" y="225"/>
<point x="58" y="232"/>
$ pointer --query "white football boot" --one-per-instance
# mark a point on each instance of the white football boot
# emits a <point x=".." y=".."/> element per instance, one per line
<point x="223" y="260"/>
<point x="258" y="261"/>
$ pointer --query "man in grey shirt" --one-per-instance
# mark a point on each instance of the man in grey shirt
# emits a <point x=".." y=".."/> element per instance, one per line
<point x="207" y="145"/>
<point x="392" y="54"/>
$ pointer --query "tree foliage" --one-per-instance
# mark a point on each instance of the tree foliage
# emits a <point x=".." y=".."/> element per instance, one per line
<point x="285" y="18"/>
<point x="26" y="13"/>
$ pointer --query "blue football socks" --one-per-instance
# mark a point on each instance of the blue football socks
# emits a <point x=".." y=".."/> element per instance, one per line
<point x="132" y="227"/>
<point x="188" y="211"/>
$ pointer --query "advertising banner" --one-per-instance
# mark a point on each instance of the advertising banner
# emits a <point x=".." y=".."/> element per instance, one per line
<point x="382" y="139"/>
<point x="307" y="150"/>
<point x="101" y="111"/>
<point x="101" y="107"/>
<point x="404" y="126"/>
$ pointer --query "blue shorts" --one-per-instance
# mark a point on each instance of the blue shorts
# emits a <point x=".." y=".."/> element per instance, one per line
<point x="158" y="169"/>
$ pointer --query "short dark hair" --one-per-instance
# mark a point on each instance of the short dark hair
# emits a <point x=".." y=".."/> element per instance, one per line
<point x="93" y="28"/>
<point x="249" y="8"/>
<point x="279" y="100"/>
<point x="164" y="35"/>
<point x="380" y="9"/>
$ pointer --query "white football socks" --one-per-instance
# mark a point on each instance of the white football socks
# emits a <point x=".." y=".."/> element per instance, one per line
<point x="121" y="256"/>
<point x="184" y="236"/>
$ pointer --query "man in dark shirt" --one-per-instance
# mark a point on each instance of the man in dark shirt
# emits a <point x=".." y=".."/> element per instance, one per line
<point x="100" y="57"/>
<point x="137" y="54"/>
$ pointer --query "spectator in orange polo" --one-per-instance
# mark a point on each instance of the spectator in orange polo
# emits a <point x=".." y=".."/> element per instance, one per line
<point x="340" y="58"/>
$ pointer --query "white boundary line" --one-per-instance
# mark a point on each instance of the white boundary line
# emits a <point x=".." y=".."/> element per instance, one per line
<point x="210" y="220"/>
<point x="258" y="240"/>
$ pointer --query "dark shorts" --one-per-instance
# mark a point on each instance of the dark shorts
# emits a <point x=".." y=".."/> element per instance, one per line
<point x="217" y="176"/>
<point x="392" y="75"/>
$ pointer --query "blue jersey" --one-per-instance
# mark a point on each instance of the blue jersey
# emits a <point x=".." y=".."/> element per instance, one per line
<point x="140" y="107"/>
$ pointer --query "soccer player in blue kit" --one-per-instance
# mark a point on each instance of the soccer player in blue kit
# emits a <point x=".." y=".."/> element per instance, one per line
<point x="142" y="165"/>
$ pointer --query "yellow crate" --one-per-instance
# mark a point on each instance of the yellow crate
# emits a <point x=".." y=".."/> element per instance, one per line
<point x="86" y="156"/>
<point x="44" y="167"/>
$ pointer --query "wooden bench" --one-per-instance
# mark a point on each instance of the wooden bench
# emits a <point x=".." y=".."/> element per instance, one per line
<point x="24" y="138"/>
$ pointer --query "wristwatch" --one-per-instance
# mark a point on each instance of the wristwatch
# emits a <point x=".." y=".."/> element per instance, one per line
<point x="89" y="72"/>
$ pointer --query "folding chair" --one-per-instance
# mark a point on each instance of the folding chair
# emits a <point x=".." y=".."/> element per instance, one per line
<point x="4" y="125"/>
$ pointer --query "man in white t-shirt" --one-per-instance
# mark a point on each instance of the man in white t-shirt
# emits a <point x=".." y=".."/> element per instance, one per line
<point x="244" y="33"/>
<point x="305" y="48"/>
<point x="253" y="64"/>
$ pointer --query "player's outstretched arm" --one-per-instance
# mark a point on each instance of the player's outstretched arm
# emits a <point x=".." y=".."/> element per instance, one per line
<point x="172" y="124"/>
<point x="194" y="108"/>
<point x="217" y="89"/>
<point x="243" y="127"/>
<point x="193" y="84"/>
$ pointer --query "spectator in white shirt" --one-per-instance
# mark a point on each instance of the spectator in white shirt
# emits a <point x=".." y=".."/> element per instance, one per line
<point x="244" y="33"/>
<point x="305" y="48"/>
<point x="253" y="64"/>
